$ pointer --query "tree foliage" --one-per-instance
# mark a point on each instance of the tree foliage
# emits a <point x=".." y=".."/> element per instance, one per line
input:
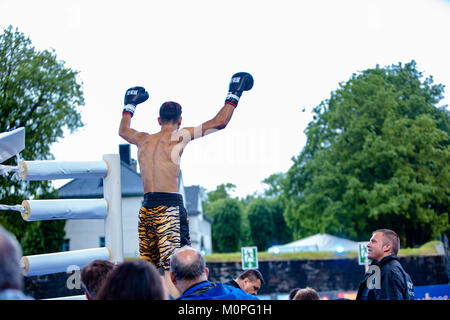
<point x="377" y="155"/>
<point x="267" y="224"/>
<point x="260" y="222"/>
<point x="221" y="192"/>
<point x="39" y="93"/>
<point x="226" y="229"/>
<point x="275" y="184"/>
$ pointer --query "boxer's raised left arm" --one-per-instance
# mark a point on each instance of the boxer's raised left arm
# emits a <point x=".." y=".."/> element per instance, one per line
<point x="129" y="134"/>
<point x="133" y="97"/>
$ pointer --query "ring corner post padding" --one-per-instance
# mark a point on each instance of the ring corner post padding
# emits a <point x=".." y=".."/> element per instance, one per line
<point x="11" y="143"/>
<point x="112" y="192"/>
<point x="52" y="170"/>
<point x="50" y="263"/>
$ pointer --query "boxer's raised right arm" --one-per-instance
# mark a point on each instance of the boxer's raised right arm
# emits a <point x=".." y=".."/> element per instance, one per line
<point x="219" y="122"/>
<point x="240" y="82"/>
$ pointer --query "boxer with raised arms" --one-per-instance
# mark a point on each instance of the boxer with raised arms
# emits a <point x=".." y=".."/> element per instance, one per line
<point x="163" y="222"/>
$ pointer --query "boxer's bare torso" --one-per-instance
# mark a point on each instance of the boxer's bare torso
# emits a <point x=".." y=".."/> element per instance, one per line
<point x="158" y="165"/>
<point x="159" y="154"/>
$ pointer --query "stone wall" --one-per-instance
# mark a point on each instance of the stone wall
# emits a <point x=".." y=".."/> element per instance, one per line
<point x="280" y="276"/>
<point x="328" y="275"/>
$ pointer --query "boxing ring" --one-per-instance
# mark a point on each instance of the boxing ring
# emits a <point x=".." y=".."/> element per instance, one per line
<point x="109" y="208"/>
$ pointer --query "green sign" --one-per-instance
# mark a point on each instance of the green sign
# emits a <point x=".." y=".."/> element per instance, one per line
<point x="363" y="253"/>
<point x="249" y="258"/>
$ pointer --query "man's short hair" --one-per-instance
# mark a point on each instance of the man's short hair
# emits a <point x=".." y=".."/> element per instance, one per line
<point x="94" y="274"/>
<point x="170" y="112"/>
<point x="252" y="275"/>
<point x="183" y="271"/>
<point x="391" y="237"/>
<point x="306" y="294"/>
<point x="11" y="276"/>
<point x="292" y="293"/>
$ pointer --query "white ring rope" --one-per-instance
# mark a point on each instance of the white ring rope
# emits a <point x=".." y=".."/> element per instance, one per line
<point x="4" y="170"/>
<point x="19" y="208"/>
<point x="52" y="170"/>
<point x="18" y="170"/>
<point x="107" y="208"/>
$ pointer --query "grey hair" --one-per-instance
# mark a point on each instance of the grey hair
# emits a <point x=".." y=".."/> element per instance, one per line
<point x="187" y="271"/>
<point x="10" y="253"/>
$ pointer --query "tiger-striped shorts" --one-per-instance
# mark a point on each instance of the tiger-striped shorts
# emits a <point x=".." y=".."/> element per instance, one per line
<point x="163" y="227"/>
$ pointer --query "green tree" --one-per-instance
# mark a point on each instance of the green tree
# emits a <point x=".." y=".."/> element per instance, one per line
<point x="377" y="155"/>
<point x="275" y="184"/>
<point x="246" y="236"/>
<point x="282" y="233"/>
<point x="226" y="228"/>
<point x="267" y="224"/>
<point x="261" y="223"/>
<point x="221" y="192"/>
<point x="39" y="93"/>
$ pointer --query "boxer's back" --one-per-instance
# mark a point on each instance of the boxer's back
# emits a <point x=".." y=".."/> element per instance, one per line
<point x="158" y="165"/>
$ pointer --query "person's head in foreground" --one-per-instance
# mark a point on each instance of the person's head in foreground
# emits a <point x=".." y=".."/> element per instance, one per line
<point x="10" y="253"/>
<point x="133" y="280"/>
<point x="306" y="294"/>
<point x="187" y="267"/>
<point x="93" y="275"/>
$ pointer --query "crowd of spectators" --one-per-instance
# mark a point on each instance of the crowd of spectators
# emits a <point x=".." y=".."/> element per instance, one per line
<point x="140" y="280"/>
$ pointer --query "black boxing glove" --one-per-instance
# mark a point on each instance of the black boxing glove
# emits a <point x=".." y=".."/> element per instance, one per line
<point x="133" y="97"/>
<point x="240" y="82"/>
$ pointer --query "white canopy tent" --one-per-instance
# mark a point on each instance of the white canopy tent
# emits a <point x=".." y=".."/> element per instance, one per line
<point x="318" y="242"/>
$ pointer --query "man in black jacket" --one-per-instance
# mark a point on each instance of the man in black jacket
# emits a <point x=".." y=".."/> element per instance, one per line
<point x="386" y="279"/>
<point x="250" y="281"/>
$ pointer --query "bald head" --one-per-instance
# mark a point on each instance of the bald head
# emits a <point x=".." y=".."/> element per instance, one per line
<point x="188" y="264"/>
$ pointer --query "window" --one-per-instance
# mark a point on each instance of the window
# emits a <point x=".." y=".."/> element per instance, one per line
<point x="101" y="242"/>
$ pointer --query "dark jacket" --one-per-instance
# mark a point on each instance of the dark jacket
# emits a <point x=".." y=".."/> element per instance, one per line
<point x="233" y="283"/>
<point x="386" y="281"/>
<point x="215" y="291"/>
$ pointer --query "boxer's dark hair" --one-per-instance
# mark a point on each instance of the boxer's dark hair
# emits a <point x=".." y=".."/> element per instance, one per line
<point x="170" y="112"/>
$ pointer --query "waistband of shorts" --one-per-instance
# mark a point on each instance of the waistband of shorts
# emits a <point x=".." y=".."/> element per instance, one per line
<point x="153" y="199"/>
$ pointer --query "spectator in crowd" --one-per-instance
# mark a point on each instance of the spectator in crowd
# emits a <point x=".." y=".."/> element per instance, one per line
<point x="250" y="281"/>
<point x="386" y="279"/>
<point x="306" y="294"/>
<point x="133" y="280"/>
<point x="292" y="293"/>
<point x="93" y="275"/>
<point x="189" y="274"/>
<point x="11" y="277"/>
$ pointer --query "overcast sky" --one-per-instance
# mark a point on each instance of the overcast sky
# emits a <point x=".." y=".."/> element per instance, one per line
<point x="186" y="51"/>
